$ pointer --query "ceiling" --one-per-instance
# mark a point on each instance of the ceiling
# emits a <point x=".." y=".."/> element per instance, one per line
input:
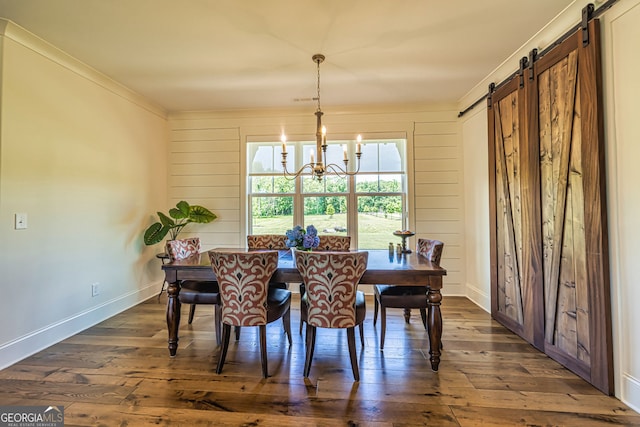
<point x="238" y="54"/>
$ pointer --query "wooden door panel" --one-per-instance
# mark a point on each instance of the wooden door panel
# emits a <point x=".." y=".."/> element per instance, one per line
<point x="515" y="255"/>
<point x="576" y="287"/>
<point x="561" y="219"/>
<point x="509" y="224"/>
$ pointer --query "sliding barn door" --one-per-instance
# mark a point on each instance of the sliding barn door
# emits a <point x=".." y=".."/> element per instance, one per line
<point x="577" y="326"/>
<point x="549" y="244"/>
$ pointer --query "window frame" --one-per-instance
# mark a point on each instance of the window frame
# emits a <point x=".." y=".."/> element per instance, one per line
<point x="351" y="194"/>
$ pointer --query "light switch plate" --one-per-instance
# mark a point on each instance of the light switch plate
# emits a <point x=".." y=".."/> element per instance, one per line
<point x="21" y="221"/>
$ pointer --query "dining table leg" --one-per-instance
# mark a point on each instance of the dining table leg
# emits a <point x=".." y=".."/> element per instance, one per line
<point x="173" y="316"/>
<point x="434" y="297"/>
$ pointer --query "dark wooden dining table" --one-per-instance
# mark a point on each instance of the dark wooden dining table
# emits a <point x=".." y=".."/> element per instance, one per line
<point x="383" y="267"/>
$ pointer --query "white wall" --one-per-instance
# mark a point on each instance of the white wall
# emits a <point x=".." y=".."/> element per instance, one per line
<point x="621" y="66"/>
<point x="85" y="159"/>
<point x="206" y="164"/>
<point x="621" y="32"/>
<point x="476" y="202"/>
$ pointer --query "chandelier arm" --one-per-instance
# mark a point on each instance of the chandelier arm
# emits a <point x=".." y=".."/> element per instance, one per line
<point x="293" y="175"/>
<point x="340" y="171"/>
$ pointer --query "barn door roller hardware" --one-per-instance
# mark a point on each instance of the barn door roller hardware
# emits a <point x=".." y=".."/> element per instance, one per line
<point x="524" y="62"/>
<point x="533" y="57"/>
<point x="492" y="88"/>
<point x="587" y="15"/>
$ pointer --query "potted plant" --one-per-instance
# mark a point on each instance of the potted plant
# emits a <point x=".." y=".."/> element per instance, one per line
<point x="181" y="215"/>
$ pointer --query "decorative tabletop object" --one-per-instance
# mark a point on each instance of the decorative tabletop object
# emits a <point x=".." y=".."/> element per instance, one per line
<point x="404" y="234"/>
<point x="301" y="239"/>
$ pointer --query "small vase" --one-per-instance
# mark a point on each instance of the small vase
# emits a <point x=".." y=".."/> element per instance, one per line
<point x="293" y="256"/>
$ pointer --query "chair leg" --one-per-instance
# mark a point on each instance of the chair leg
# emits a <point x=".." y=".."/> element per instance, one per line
<point x="237" y="333"/>
<point x="383" y="325"/>
<point x="351" y="338"/>
<point x="263" y="350"/>
<point x="311" y="342"/>
<point x="362" y="333"/>
<point x="423" y="314"/>
<point x="407" y="314"/>
<point x="225" y="345"/>
<point x="218" y="325"/>
<point x="375" y="309"/>
<point x="162" y="289"/>
<point x="302" y="290"/>
<point x="286" y="321"/>
<point x="192" y="312"/>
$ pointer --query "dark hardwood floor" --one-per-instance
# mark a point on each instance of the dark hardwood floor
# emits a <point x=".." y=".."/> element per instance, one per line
<point x="119" y="373"/>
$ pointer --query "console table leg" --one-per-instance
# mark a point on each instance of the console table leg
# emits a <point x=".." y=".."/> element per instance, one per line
<point x="434" y="297"/>
<point x="173" y="317"/>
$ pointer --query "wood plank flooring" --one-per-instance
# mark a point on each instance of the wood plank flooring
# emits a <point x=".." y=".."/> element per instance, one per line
<point x="119" y="373"/>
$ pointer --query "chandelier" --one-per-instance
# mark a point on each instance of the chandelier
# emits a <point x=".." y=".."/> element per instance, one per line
<point x="318" y="169"/>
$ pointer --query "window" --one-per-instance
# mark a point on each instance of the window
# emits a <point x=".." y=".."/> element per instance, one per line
<point x="369" y="206"/>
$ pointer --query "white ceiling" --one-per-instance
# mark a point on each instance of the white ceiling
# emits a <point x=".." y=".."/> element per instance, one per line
<point x="231" y="54"/>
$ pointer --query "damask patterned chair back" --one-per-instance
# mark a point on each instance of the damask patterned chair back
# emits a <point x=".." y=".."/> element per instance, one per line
<point x="243" y="279"/>
<point x="182" y="249"/>
<point x="432" y="249"/>
<point x="267" y="241"/>
<point x="334" y="243"/>
<point x="332" y="299"/>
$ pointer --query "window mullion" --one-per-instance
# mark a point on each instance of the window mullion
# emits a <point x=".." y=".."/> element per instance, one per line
<point x="352" y="211"/>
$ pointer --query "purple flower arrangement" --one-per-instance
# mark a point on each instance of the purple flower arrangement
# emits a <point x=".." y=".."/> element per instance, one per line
<point x="301" y="239"/>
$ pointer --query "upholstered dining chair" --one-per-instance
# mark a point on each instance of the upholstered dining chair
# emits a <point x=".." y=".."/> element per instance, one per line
<point x="327" y="243"/>
<point x="266" y="241"/>
<point x="330" y="242"/>
<point x="247" y="299"/>
<point x="195" y="292"/>
<point x="406" y="297"/>
<point x="331" y="299"/>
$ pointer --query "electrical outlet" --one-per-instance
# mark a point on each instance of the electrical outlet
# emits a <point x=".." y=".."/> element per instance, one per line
<point x="95" y="290"/>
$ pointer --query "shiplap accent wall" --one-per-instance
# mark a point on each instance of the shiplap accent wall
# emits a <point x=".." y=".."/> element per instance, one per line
<point x="204" y="169"/>
<point x="438" y="194"/>
<point x="206" y="166"/>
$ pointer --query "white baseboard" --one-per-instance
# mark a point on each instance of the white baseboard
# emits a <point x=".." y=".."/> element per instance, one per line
<point x="25" y="346"/>
<point x="479" y="297"/>
<point x="630" y="392"/>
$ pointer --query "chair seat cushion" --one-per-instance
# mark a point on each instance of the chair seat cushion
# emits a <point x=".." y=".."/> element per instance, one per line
<point x="199" y="292"/>
<point x="278" y="302"/>
<point x="361" y="307"/>
<point x="401" y="296"/>
<point x="394" y="290"/>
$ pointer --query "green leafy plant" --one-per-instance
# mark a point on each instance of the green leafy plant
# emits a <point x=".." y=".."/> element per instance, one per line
<point x="179" y="216"/>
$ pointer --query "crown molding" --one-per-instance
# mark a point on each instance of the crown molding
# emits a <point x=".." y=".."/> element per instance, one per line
<point x="14" y="32"/>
